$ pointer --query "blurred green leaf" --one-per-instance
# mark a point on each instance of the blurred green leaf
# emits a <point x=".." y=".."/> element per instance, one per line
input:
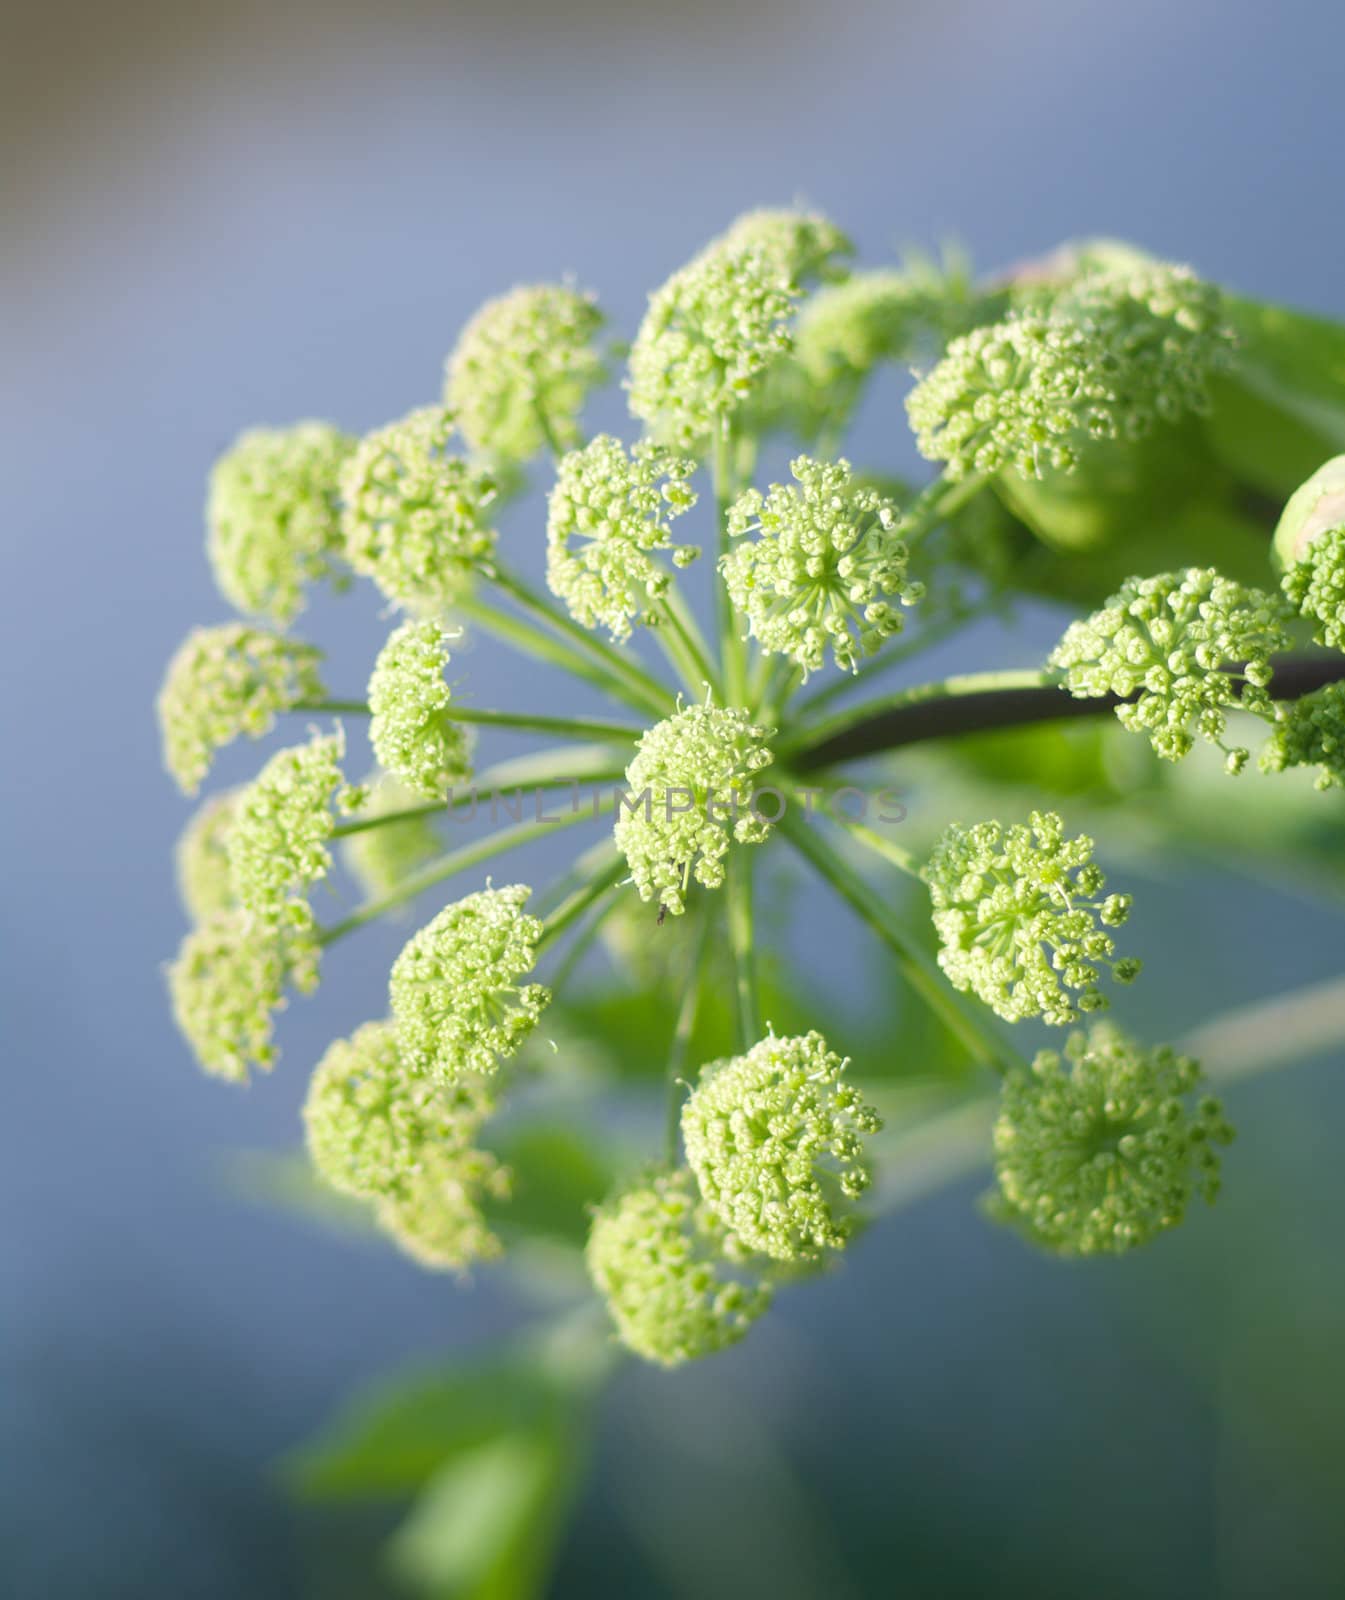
<point x="558" y="1173"/>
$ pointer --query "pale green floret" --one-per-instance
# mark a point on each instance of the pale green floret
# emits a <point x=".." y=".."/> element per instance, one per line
<point x="282" y="827"/>
<point x="846" y="329"/>
<point x="410" y="729"/>
<point x="1021" y="918"/>
<point x="225" y="984"/>
<point x="273" y="516"/>
<point x="607" y="518"/>
<point x="521" y="370"/>
<point x="456" y="998"/>
<point x="688" y="797"/>
<point x="1315" y="585"/>
<point x="819" y="572"/>
<point x="1310" y="732"/>
<point x="416" y="518"/>
<point x="707" y="337"/>
<point x="1189" y="646"/>
<point x="381" y="858"/>
<point x="805" y="243"/>
<point x="776" y="1141"/>
<point x="1116" y="355"/>
<point x="225" y="681"/>
<point x="202" y="859"/>
<point x="653" y="1256"/>
<point x="382" y="1133"/>
<point x="1100" y="1149"/>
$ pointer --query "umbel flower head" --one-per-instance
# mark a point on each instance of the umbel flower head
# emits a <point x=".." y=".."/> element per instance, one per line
<point x="655" y="1257"/>
<point x="283" y="823"/>
<point x="202" y="858"/>
<point x="225" y="681"/>
<point x="382" y="857"/>
<point x="1309" y="550"/>
<point x="519" y="374"/>
<point x="225" y="984"/>
<point x="806" y="244"/>
<point x="688" y="797"/>
<point x="1022" y="918"/>
<point x="415" y="517"/>
<point x="1189" y="646"/>
<point x="1100" y="1148"/>
<point x="382" y="1133"/>
<point x="776" y="1140"/>
<point x="273" y="516"/>
<point x="820" y="571"/>
<point x="410" y="729"/>
<point x="455" y="993"/>
<point x="708" y="335"/>
<point x="1310" y="732"/>
<point x="1117" y="354"/>
<point x="607" y="517"/>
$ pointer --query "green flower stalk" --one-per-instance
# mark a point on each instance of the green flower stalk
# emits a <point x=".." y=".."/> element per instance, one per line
<point x="1022" y="919"/>
<point x="226" y="983"/>
<point x="519" y="374"/>
<point x="1118" y="354"/>
<point x="1189" y="646"/>
<point x="455" y="994"/>
<point x="202" y="856"/>
<point x="1310" y="732"/>
<point x="1309" y="551"/>
<point x="283" y="823"/>
<point x="688" y="798"/>
<point x="226" y="681"/>
<point x="819" y="573"/>
<point x="657" y="1260"/>
<point x="383" y="856"/>
<point x="407" y="1143"/>
<point x="776" y="1141"/>
<point x="608" y="519"/>
<point x="273" y="516"/>
<point x="1101" y="1148"/>
<point x="413" y="736"/>
<point x="416" y="518"/>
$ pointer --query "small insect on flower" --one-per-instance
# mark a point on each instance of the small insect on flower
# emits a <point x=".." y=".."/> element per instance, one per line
<point x="273" y="516"/>
<point x="1310" y="732"/>
<point x="225" y="681"/>
<point x="1189" y="646"/>
<point x="416" y="518"/>
<point x="818" y="573"/>
<point x="1099" y="1149"/>
<point x="656" y="1256"/>
<point x="1022" y="918"/>
<point x="1309" y="550"/>
<point x="413" y="735"/>
<point x="689" y="797"/>
<point x="455" y="994"/>
<point x="776" y="1141"/>
<point x="608" y="518"/>
<point x="519" y="374"/>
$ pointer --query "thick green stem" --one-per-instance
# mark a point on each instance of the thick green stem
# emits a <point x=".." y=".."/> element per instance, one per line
<point x="695" y="664"/>
<point x="576" y="904"/>
<point x="681" y="1040"/>
<point x="918" y="968"/>
<point x="339" y="708"/>
<point x="937" y="502"/>
<point x="562" y="727"/>
<point x="739" y="890"/>
<point x="732" y="647"/>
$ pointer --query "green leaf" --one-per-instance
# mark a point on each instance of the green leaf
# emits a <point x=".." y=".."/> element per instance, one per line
<point x="558" y="1174"/>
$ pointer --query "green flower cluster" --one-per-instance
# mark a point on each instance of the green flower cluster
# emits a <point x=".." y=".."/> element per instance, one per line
<point x="225" y="681"/>
<point x="414" y="737"/>
<point x="825" y="558"/>
<point x="1115" y="355"/>
<point x="456" y="999"/>
<point x="202" y="858"/>
<point x="416" y="518"/>
<point x="607" y="518"/>
<point x="805" y="243"/>
<point x="406" y="1143"/>
<point x="273" y="516"/>
<point x="385" y="855"/>
<point x="1099" y="1149"/>
<point x="1310" y="732"/>
<point x="774" y="1138"/>
<point x="1309" y="551"/>
<point x="688" y="797"/>
<point x="656" y="1257"/>
<point x="1189" y="646"/>
<point x="517" y="379"/>
<point x="1021" y="918"/>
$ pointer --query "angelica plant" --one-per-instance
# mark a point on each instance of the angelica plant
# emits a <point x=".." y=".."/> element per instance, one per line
<point x="737" y="690"/>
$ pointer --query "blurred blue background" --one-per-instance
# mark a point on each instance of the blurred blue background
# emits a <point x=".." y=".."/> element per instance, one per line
<point x="259" y="213"/>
